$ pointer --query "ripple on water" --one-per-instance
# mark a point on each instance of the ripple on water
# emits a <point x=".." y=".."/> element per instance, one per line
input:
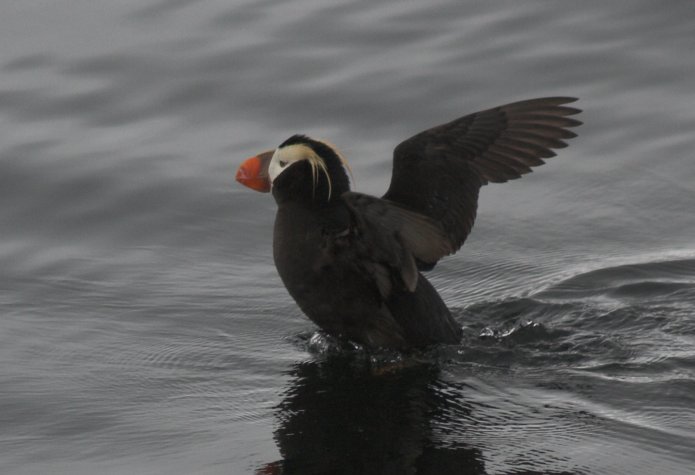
<point x="655" y="281"/>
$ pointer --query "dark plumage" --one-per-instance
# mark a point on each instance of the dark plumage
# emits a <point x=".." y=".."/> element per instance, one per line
<point x="352" y="262"/>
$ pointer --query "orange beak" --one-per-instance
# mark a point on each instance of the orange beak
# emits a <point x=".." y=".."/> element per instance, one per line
<point x="254" y="172"/>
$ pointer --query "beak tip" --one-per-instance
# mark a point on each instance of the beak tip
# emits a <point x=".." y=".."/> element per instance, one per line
<point x="253" y="173"/>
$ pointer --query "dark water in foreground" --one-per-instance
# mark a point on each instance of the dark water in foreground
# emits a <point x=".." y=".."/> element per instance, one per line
<point x="143" y="328"/>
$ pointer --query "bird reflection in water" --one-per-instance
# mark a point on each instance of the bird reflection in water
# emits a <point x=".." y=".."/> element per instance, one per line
<point x="346" y="415"/>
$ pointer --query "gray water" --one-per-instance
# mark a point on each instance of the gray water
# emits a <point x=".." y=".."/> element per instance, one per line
<point x="143" y="327"/>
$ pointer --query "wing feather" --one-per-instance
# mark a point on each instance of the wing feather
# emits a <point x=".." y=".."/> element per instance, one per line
<point x="438" y="173"/>
<point x="399" y="239"/>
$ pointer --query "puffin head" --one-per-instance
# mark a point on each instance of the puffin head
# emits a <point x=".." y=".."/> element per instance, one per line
<point x="301" y="168"/>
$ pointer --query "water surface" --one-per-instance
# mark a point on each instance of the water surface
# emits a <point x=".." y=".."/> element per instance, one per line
<point x="144" y="328"/>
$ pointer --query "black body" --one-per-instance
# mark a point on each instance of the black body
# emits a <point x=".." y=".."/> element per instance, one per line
<point x="323" y="261"/>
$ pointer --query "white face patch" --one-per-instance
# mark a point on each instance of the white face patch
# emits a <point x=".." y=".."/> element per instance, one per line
<point x="286" y="156"/>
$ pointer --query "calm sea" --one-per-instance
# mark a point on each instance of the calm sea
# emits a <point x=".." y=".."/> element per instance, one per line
<point x="143" y="327"/>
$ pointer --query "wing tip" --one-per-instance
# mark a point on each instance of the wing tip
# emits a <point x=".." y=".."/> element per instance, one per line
<point x="565" y="99"/>
<point x="556" y="100"/>
<point x="551" y="102"/>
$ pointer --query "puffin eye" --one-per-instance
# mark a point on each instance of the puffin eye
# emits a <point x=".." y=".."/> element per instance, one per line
<point x="283" y="163"/>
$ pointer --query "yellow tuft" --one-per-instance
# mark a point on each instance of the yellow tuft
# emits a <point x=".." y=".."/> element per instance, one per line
<point x="317" y="165"/>
<point x="342" y="160"/>
<point x="294" y="153"/>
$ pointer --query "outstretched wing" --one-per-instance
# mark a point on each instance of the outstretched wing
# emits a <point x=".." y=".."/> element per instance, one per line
<point x="439" y="172"/>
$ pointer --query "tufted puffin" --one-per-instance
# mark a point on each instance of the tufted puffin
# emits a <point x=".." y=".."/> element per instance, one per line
<point x="354" y="262"/>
